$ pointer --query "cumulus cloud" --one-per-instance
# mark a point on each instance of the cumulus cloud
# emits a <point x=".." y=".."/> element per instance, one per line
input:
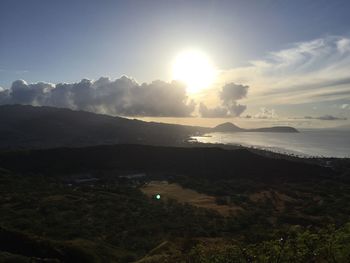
<point x="217" y="112"/>
<point x="325" y="118"/>
<point x="229" y="107"/>
<point x="23" y="93"/>
<point x="312" y="71"/>
<point x="232" y="92"/>
<point x="345" y="106"/>
<point x="123" y="96"/>
<point x="266" y="113"/>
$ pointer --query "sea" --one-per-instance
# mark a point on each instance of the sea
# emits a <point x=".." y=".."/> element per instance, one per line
<point x="306" y="143"/>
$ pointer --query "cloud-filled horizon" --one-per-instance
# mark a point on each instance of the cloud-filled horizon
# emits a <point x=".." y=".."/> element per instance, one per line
<point x="124" y="96"/>
<point x="242" y="60"/>
<point x="311" y="73"/>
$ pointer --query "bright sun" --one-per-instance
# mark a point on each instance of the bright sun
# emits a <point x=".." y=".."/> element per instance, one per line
<point x="194" y="69"/>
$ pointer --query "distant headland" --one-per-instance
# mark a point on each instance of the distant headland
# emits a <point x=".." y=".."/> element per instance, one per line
<point x="230" y="127"/>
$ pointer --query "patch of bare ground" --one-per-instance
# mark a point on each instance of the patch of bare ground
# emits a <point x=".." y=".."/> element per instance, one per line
<point x="189" y="196"/>
<point x="278" y="199"/>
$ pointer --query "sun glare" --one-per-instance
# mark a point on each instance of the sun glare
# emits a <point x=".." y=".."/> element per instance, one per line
<point x="194" y="69"/>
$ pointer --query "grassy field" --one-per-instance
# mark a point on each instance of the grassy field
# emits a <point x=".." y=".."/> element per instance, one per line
<point x="183" y="195"/>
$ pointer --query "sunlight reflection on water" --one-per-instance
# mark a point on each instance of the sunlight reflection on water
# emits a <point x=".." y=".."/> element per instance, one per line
<point x="327" y="143"/>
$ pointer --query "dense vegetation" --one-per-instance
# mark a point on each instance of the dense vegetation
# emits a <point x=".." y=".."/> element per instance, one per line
<point x="209" y="162"/>
<point x="291" y="211"/>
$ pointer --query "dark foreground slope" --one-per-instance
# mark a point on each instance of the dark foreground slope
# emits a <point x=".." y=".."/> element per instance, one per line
<point x="211" y="162"/>
<point x="78" y="205"/>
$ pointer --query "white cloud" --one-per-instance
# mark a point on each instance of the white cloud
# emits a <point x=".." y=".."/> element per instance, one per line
<point x="325" y="118"/>
<point x="123" y="96"/>
<point x="344" y="45"/>
<point x="229" y="95"/>
<point x="217" y="112"/>
<point x="311" y="71"/>
<point x="266" y="114"/>
<point x="345" y="106"/>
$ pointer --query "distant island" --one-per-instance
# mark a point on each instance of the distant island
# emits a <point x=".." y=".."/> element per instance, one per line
<point x="230" y="127"/>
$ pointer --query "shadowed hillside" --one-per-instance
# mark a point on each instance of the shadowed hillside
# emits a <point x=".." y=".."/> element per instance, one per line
<point x="212" y="162"/>
<point x="47" y="127"/>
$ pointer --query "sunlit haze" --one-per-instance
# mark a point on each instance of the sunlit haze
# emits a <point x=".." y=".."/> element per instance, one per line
<point x="195" y="69"/>
<point x="248" y="62"/>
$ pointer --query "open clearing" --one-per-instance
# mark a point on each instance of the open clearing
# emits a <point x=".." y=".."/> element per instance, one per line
<point x="278" y="199"/>
<point x="183" y="195"/>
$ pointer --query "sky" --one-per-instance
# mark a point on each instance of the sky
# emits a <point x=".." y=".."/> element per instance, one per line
<point x="278" y="62"/>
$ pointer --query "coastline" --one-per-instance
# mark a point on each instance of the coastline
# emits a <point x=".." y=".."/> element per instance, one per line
<point x="305" y="144"/>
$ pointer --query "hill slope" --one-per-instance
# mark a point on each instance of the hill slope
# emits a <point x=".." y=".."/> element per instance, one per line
<point x="47" y="127"/>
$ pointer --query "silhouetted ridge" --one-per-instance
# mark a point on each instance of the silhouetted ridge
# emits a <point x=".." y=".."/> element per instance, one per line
<point x="274" y="129"/>
<point x="24" y="126"/>
<point x="226" y="127"/>
<point x="230" y="127"/>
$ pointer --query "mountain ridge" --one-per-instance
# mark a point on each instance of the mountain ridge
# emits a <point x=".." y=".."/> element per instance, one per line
<point x="24" y="126"/>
